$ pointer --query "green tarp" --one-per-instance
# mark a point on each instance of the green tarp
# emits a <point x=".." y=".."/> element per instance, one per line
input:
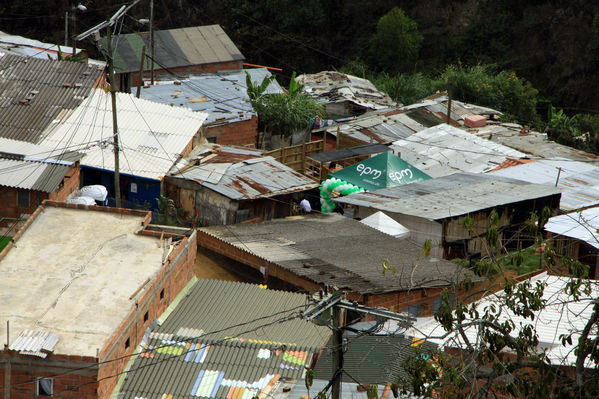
<point x="381" y="171"/>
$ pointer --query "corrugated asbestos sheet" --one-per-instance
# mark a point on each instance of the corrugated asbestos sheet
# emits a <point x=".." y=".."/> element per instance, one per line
<point x="249" y="179"/>
<point x="578" y="181"/>
<point x="443" y="149"/>
<point x="222" y="95"/>
<point x="559" y="316"/>
<point x="36" y="94"/>
<point x="450" y="196"/>
<point x="176" y="48"/>
<point x="33" y="167"/>
<point x="582" y="225"/>
<point x="371" y="359"/>
<point x="151" y="136"/>
<point x="322" y="248"/>
<point x="223" y="340"/>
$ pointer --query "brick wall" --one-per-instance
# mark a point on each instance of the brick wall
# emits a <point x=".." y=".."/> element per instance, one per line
<point x="8" y="197"/>
<point x="396" y="301"/>
<point x="154" y="297"/>
<point x="193" y="69"/>
<point x="235" y="133"/>
<point x="80" y="380"/>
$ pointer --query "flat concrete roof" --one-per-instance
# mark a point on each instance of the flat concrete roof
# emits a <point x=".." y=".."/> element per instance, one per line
<point x="71" y="273"/>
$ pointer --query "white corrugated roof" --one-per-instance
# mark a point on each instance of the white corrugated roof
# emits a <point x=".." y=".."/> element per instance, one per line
<point x="578" y="181"/>
<point x="151" y="135"/>
<point x="35" y="343"/>
<point x="443" y="149"/>
<point x="582" y="225"/>
<point x="561" y="315"/>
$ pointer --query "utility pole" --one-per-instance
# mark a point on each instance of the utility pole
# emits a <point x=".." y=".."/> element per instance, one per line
<point x="336" y="303"/>
<point x="151" y="42"/>
<point x="449" y="95"/>
<point x="66" y="28"/>
<point x="115" y="126"/>
<point x="141" y="71"/>
<point x="337" y="362"/>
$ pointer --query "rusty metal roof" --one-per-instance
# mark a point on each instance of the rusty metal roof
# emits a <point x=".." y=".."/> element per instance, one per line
<point x="37" y="94"/>
<point x="241" y="174"/>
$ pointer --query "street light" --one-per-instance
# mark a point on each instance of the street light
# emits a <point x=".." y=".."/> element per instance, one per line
<point x="81" y="8"/>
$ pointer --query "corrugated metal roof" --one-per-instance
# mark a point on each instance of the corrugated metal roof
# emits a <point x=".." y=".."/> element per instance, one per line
<point x="582" y="225"/>
<point x="25" y="47"/>
<point x="560" y="315"/>
<point x="331" y="86"/>
<point x="249" y="179"/>
<point x="174" y="48"/>
<point x="234" y="354"/>
<point x="443" y="149"/>
<point x="27" y="175"/>
<point x="37" y="94"/>
<point x="151" y="136"/>
<point x="303" y="245"/>
<point x="222" y="95"/>
<point x="35" y="343"/>
<point x="349" y="152"/>
<point x="578" y="181"/>
<point x="533" y="143"/>
<point x="450" y="196"/>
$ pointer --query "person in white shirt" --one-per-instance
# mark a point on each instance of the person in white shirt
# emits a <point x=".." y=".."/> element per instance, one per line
<point x="305" y="206"/>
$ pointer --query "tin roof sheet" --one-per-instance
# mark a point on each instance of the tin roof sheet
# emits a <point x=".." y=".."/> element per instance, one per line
<point x="443" y="149"/>
<point x="331" y="86"/>
<point x="450" y="196"/>
<point x="236" y="345"/>
<point x="248" y="179"/>
<point x="560" y="315"/>
<point x="151" y="136"/>
<point x="302" y="245"/>
<point x="38" y="94"/>
<point x="35" y="343"/>
<point x="196" y="45"/>
<point x="25" y="47"/>
<point x="223" y="96"/>
<point x="582" y="225"/>
<point x="578" y="181"/>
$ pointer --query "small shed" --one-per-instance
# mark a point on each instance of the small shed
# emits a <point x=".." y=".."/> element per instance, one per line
<point x="576" y="235"/>
<point x="219" y="185"/>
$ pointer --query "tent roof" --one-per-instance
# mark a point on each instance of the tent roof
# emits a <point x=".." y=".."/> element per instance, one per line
<point x="381" y="171"/>
<point x="385" y="224"/>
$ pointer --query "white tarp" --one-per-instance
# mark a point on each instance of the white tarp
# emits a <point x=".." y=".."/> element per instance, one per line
<point x="385" y="224"/>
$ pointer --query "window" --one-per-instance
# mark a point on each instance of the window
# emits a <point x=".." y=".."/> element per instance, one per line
<point x="23" y="198"/>
<point x="45" y="387"/>
<point x="146" y="317"/>
<point x="127" y="343"/>
<point x="162" y="294"/>
<point x="412" y="310"/>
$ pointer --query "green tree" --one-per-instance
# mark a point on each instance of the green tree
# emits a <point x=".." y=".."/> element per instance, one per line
<point x="282" y="113"/>
<point x="498" y="357"/>
<point x="593" y="45"/>
<point x="396" y="43"/>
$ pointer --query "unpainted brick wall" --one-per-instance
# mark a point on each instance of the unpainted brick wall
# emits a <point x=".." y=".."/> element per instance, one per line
<point x="235" y="133"/>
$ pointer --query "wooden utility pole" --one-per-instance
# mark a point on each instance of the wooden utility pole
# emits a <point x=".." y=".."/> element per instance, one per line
<point x="152" y="41"/>
<point x="7" y="366"/>
<point x="141" y="71"/>
<point x="337" y="362"/>
<point x="449" y="95"/>
<point x="115" y="126"/>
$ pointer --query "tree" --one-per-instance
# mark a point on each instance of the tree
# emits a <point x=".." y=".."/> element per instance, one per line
<point x="396" y="43"/>
<point x="494" y="356"/>
<point x="282" y="113"/>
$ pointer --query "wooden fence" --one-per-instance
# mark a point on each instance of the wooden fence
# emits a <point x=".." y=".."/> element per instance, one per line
<point x="295" y="156"/>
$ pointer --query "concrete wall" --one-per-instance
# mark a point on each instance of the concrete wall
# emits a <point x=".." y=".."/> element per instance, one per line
<point x="99" y="380"/>
<point x="235" y="133"/>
